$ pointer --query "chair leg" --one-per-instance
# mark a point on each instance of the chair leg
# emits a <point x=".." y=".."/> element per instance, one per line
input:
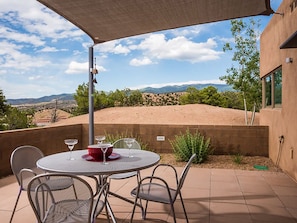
<point x="15" y="205"/>
<point x="74" y="190"/>
<point x="143" y="212"/>
<point x="173" y="212"/>
<point x="182" y="201"/>
<point x="133" y="209"/>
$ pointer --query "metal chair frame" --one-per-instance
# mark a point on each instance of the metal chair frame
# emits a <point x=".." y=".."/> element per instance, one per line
<point x="23" y="165"/>
<point x="53" y="206"/>
<point x="156" y="189"/>
<point x="120" y="144"/>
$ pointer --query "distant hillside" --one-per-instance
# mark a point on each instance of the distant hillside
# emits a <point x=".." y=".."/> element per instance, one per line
<point x="51" y="98"/>
<point x="183" y="88"/>
<point x="162" y="90"/>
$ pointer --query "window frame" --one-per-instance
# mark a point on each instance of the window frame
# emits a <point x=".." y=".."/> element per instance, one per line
<point x="273" y="87"/>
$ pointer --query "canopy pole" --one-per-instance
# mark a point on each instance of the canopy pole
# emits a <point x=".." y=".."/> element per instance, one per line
<point x="91" y="96"/>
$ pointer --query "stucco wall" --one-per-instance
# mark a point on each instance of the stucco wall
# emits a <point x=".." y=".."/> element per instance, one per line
<point x="247" y="140"/>
<point x="281" y="121"/>
<point x="49" y="139"/>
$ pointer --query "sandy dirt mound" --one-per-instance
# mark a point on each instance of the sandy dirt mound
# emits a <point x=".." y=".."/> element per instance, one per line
<point x="46" y="116"/>
<point x="175" y="114"/>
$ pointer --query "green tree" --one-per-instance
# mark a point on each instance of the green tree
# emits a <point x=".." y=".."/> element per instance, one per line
<point x="3" y="106"/>
<point x="246" y="76"/>
<point x="190" y="97"/>
<point x="208" y="95"/>
<point x="135" y="98"/>
<point x="211" y="96"/>
<point x="13" y="118"/>
<point x="233" y="99"/>
<point x="82" y="99"/>
<point x="3" y="110"/>
<point x="118" y="97"/>
<point x="16" y="119"/>
<point x="102" y="100"/>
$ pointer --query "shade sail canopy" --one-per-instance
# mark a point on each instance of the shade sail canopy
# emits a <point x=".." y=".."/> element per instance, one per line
<point x="105" y="20"/>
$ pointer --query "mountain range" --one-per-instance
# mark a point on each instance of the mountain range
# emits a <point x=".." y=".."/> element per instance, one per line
<point x="183" y="88"/>
<point x="161" y="90"/>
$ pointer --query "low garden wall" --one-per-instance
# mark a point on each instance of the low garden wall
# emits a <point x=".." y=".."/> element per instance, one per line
<point x="244" y="140"/>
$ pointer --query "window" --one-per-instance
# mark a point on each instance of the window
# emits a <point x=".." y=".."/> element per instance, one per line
<point x="268" y="91"/>
<point x="278" y="87"/>
<point x="273" y="88"/>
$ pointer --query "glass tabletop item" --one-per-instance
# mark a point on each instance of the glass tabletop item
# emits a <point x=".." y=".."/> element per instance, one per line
<point x="100" y="138"/>
<point x="71" y="143"/>
<point x="129" y="142"/>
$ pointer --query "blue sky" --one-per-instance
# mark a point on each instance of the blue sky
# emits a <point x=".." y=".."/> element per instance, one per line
<point x="42" y="54"/>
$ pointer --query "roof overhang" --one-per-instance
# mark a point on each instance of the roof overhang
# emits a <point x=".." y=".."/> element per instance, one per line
<point x="291" y="42"/>
<point x="105" y="20"/>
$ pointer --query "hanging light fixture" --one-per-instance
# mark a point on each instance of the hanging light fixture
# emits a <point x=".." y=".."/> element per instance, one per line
<point x="95" y="71"/>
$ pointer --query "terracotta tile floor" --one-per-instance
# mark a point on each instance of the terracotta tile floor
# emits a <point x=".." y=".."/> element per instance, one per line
<point x="211" y="196"/>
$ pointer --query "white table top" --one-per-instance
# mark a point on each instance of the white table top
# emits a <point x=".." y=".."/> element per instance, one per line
<point x="59" y="162"/>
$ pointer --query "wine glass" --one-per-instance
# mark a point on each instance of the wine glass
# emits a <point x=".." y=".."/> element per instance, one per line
<point x="129" y="142"/>
<point x="71" y="143"/>
<point x="104" y="148"/>
<point x="100" y="138"/>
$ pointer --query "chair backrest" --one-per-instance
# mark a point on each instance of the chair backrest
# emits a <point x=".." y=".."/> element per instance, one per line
<point x="120" y="143"/>
<point x="185" y="172"/>
<point x="69" y="204"/>
<point x="24" y="157"/>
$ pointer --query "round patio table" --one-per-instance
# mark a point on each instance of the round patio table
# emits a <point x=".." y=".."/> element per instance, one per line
<point x="119" y="162"/>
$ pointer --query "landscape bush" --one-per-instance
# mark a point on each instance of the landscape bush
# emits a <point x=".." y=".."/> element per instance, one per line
<point x="186" y="144"/>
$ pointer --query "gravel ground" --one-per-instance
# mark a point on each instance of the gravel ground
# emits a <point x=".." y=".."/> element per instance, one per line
<point x="227" y="162"/>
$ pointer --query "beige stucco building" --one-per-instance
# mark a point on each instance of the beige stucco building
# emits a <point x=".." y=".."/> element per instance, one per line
<point x="278" y="71"/>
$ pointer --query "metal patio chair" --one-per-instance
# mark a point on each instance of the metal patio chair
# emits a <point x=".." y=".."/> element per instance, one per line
<point x="156" y="189"/>
<point x="51" y="206"/>
<point x="23" y="165"/>
<point x="121" y="144"/>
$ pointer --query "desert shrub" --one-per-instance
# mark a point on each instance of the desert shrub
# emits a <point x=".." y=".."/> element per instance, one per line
<point x="238" y="158"/>
<point x="119" y="135"/>
<point x="184" y="145"/>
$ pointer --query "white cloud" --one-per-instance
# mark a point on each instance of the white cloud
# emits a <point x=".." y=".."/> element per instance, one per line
<point x="14" y="90"/>
<point x="12" y="57"/>
<point x="112" y="47"/>
<point x="36" y="19"/>
<point x="16" y="5"/>
<point x="78" y="68"/>
<point x="49" y="49"/>
<point x="156" y="46"/>
<point x="120" y="49"/>
<point x="2" y="72"/>
<point x="12" y="35"/>
<point x="189" y="31"/>
<point x="227" y="40"/>
<point x="140" y="62"/>
<point x="33" y="78"/>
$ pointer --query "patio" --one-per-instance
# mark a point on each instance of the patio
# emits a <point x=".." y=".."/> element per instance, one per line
<point x="211" y="195"/>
